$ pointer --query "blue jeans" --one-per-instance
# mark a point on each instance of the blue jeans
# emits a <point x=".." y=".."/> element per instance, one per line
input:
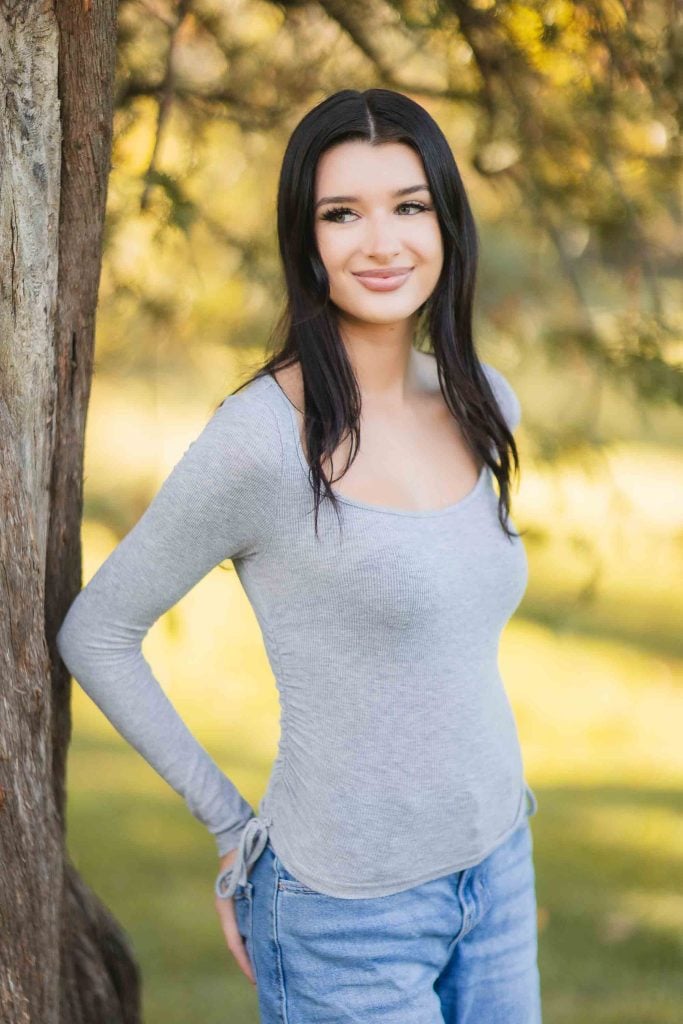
<point x="460" y="949"/>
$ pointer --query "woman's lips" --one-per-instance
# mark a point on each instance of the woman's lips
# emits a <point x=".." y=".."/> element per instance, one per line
<point x="379" y="283"/>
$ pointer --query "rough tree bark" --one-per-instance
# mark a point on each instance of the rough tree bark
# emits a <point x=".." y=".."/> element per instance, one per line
<point x="63" y="958"/>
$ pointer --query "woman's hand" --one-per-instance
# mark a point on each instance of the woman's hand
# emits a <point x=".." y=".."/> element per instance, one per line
<point x="226" y="914"/>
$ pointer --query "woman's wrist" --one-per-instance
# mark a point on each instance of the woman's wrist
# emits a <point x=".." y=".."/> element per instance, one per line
<point x="228" y="859"/>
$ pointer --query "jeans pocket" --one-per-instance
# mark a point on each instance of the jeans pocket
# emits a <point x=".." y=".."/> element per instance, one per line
<point x="243" y="901"/>
<point x="286" y="882"/>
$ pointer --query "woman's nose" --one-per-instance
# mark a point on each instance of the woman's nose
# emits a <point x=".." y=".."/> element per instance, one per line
<point x="381" y="237"/>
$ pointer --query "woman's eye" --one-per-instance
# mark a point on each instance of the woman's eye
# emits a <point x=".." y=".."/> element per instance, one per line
<point x="416" y="206"/>
<point x="338" y="211"/>
<point x="335" y="212"/>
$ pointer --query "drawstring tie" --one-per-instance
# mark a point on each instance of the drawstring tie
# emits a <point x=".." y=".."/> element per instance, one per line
<point x="251" y="845"/>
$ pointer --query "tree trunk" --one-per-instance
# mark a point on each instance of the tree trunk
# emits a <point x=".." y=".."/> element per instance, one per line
<point x="63" y="958"/>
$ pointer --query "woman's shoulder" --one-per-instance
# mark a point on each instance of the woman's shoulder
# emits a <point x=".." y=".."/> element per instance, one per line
<point x="250" y="400"/>
<point x="249" y="416"/>
<point x="504" y="394"/>
<point x="240" y="443"/>
<point x="503" y="391"/>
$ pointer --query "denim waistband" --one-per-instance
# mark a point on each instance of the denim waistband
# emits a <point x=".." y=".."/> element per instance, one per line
<point x="253" y="840"/>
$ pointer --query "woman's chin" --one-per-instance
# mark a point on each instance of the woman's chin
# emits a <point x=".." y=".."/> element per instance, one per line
<point x="377" y="313"/>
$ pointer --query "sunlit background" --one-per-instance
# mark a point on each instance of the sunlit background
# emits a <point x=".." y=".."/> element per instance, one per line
<point x="572" y="176"/>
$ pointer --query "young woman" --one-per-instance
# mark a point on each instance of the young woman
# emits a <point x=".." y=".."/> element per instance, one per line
<point x="388" y="876"/>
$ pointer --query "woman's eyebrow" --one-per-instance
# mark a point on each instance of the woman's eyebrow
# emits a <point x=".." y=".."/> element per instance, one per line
<point x="354" y="199"/>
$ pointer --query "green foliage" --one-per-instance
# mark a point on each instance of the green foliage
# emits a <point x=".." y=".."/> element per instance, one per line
<point x="563" y="117"/>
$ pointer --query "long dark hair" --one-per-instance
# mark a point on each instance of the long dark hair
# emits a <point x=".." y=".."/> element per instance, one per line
<point x="307" y="331"/>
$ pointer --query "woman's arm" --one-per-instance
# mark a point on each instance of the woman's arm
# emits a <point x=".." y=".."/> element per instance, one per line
<point x="219" y="502"/>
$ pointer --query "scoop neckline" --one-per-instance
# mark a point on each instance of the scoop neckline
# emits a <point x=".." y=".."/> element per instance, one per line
<point x="370" y="506"/>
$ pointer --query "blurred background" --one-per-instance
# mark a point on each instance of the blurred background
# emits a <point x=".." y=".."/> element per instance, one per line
<point x="564" y="121"/>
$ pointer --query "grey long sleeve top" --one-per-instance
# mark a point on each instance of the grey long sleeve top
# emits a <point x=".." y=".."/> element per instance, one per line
<point x="398" y="758"/>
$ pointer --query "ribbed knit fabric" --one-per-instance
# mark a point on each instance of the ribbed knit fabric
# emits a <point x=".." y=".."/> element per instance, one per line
<point x="399" y="758"/>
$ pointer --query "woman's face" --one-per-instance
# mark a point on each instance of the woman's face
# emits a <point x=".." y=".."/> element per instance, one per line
<point x="364" y="223"/>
